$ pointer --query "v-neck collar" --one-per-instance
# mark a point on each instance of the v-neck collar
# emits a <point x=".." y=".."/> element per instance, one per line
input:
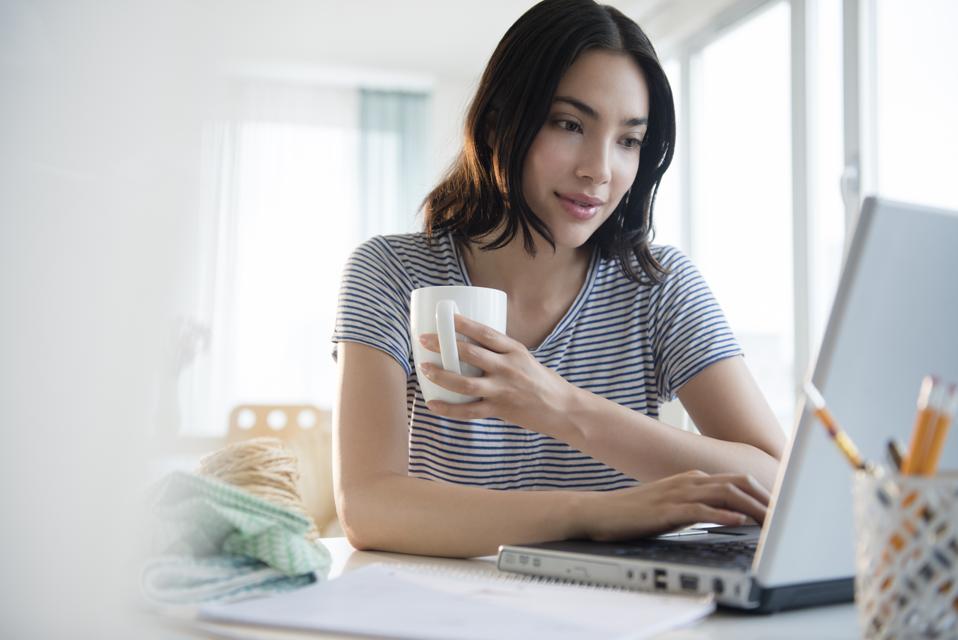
<point x="570" y="313"/>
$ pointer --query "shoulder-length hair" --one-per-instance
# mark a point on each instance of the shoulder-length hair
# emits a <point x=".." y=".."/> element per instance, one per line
<point x="483" y="186"/>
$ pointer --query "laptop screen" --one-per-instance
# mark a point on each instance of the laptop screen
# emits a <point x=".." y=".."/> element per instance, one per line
<point x="894" y="320"/>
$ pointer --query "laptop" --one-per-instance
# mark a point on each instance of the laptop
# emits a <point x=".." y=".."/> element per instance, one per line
<point x="894" y="319"/>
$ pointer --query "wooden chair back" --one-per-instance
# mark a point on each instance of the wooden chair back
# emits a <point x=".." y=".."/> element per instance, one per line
<point x="307" y="431"/>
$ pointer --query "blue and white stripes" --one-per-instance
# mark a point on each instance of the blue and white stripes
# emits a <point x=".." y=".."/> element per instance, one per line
<point x="631" y="343"/>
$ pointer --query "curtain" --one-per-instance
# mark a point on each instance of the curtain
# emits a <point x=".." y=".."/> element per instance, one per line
<point x="293" y="179"/>
<point x="393" y="167"/>
<point x="282" y="182"/>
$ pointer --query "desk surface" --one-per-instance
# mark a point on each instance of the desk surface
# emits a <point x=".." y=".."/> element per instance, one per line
<point x="836" y="622"/>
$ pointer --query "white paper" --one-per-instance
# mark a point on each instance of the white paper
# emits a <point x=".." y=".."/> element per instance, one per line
<point x="411" y="602"/>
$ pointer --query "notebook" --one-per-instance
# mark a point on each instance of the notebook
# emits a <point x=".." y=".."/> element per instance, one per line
<point x="437" y="603"/>
<point x="892" y="322"/>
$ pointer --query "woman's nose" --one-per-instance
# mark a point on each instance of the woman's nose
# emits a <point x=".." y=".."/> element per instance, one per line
<point x="594" y="163"/>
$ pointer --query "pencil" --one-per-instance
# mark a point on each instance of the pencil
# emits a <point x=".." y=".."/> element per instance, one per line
<point x="841" y="439"/>
<point x="924" y="421"/>
<point x="946" y="414"/>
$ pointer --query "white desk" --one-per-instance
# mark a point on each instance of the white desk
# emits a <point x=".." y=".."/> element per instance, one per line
<point x="836" y="622"/>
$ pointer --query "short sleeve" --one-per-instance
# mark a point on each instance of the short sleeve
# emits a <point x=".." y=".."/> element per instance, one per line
<point x="689" y="330"/>
<point x="373" y="306"/>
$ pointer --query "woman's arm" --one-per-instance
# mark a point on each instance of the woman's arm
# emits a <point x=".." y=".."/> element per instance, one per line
<point x="380" y="507"/>
<point x="740" y="431"/>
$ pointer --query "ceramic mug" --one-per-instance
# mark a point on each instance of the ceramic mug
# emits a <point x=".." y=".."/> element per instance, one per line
<point x="431" y="310"/>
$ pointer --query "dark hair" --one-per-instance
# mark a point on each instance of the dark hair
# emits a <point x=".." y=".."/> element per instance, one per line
<point x="484" y="184"/>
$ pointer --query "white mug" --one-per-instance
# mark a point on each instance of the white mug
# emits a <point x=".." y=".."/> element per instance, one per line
<point x="431" y="310"/>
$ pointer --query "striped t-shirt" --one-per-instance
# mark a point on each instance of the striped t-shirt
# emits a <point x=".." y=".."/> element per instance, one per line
<point x="635" y="344"/>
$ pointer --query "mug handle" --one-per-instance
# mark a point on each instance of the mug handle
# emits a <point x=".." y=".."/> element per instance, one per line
<point x="446" y="328"/>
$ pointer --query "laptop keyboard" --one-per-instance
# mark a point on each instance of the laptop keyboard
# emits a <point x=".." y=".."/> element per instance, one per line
<point x="732" y="554"/>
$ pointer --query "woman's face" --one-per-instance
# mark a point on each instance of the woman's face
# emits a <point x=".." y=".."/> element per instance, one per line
<point x="586" y="155"/>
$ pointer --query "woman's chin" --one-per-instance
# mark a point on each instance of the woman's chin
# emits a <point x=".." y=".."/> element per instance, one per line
<point x="569" y="235"/>
<point x="572" y="238"/>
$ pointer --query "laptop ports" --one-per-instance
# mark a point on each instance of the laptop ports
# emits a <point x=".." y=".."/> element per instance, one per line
<point x="689" y="583"/>
<point x="718" y="586"/>
<point x="659" y="579"/>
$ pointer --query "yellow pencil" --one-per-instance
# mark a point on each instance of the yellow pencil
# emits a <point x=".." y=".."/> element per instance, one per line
<point x="844" y="443"/>
<point x="946" y="414"/>
<point x="924" y="422"/>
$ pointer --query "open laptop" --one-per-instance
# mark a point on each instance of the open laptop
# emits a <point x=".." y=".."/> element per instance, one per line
<point x="894" y="320"/>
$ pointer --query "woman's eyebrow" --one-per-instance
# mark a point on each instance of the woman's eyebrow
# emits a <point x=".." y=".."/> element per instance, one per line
<point x="592" y="113"/>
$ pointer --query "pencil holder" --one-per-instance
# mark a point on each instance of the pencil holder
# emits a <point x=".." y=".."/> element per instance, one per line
<point x="906" y="581"/>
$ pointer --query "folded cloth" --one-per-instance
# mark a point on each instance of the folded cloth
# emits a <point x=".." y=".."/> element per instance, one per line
<point x="185" y="580"/>
<point x="226" y="543"/>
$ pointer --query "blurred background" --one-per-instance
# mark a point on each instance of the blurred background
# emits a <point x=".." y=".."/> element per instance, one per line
<point x="182" y="181"/>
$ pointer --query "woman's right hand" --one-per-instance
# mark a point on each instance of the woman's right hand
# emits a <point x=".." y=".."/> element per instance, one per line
<point x="670" y="503"/>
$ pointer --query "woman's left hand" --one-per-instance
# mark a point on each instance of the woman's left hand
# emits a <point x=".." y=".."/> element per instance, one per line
<point x="515" y="388"/>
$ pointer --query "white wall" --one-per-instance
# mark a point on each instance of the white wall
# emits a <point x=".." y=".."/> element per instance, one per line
<point x="100" y="124"/>
<point x="99" y="133"/>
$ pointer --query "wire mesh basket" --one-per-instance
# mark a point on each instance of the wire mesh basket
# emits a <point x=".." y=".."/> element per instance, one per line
<point x="906" y="583"/>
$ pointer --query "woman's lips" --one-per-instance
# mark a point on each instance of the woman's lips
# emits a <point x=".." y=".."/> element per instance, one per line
<point x="578" y="210"/>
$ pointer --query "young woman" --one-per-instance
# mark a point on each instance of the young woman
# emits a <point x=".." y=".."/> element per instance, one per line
<point x="551" y="201"/>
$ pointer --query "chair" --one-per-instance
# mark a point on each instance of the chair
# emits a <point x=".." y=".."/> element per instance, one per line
<point x="307" y="431"/>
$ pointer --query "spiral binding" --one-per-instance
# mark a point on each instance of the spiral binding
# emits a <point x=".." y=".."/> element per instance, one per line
<point x="501" y="576"/>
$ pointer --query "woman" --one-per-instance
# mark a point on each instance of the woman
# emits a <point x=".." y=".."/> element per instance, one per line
<point x="551" y="200"/>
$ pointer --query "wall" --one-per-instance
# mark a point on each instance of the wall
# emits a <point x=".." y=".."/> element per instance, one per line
<point x="99" y="132"/>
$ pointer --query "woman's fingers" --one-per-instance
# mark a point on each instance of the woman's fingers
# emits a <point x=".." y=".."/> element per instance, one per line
<point x="484" y="335"/>
<point x="478" y="356"/>
<point x="466" y="385"/>
<point x="699" y="512"/>
<point x="469" y="352"/>
<point x="467" y="411"/>
<point x="729" y="492"/>
<point x="728" y="496"/>
<point x="746" y="483"/>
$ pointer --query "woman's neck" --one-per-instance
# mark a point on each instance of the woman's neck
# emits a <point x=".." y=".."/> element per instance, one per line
<point x="533" y="282"/>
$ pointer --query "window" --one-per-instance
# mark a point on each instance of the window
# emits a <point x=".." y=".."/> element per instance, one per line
<point x="826" y="218"/>
<point x="669" y="219"/>
<point x="298" y="175"/>
<point x="741" y="217"/>
<point x="285" y="173"/>
<point x="915" y="92"/>
<point x="758" y="170"/>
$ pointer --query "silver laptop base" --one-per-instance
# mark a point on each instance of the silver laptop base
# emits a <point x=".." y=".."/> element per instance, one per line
<point x="731" y="588"/>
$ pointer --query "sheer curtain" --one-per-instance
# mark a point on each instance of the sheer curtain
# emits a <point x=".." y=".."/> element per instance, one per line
<point x="282" y="176"/>
<point x="393" y="156"/>
<point x="295" y="178"/>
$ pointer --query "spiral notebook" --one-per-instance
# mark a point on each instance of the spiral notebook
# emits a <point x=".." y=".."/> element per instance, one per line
<point x="437" y="602"/>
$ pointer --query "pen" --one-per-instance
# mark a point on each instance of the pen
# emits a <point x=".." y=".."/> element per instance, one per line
<point x="841" y="439"/>
<point x="924" y="421"/>
<point x="948" y="407"/>
<point x="894" y="453"/>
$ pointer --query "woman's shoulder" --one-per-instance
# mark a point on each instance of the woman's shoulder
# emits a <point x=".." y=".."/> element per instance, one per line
<point x="404" y="244"/>
<point x="668" y="256"/>
<point x="671" y="258"/>
<point x="414" y="259"/>
<point x="678" y="266"/>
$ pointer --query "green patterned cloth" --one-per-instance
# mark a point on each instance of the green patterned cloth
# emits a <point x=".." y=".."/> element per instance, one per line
<point x="188" y="580"/>
<point x="218" y="542"/>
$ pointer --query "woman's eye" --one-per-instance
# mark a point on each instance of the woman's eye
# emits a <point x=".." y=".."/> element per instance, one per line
<point x="632" y="143"/>
<point x="568" y="125"/>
